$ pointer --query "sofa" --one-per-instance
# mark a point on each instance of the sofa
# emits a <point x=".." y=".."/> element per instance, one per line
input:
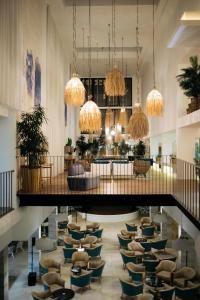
<point x="79" y="180"/>
<point x="122" y="168"/>
<point x="102" y="168"/>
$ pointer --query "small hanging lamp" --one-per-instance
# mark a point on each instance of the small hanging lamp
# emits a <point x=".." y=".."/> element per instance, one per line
<point x="74" y="90"/>
<point x="154" y="102"/>
<point x="138" y="126"/>
<point x="90" y="115"/>
<point x="114" y="83"/>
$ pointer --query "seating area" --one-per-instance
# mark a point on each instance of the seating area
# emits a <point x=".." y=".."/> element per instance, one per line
<point x="144" y="273"/>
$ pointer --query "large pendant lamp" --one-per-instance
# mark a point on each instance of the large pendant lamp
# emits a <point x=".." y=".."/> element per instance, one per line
<point x="138" y="126"/>
<point x="114" y="83"/>
<point x="154" y="102"/>
<point x="90" y="115"/>
<point x="74" y="90"/>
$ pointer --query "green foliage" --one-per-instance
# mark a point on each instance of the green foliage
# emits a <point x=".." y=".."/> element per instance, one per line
<point x="139" y="148"/>
<point x="123" y="148"/>
<point x="69" y="142"/>
<point x="189" y="80"/>
<point x="30" y="138"/>
<point x="82" y="146"/>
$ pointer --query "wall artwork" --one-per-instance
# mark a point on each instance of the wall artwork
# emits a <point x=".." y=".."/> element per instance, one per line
<point x="29" y="71"/>
<point x="37" y="96"/>
<point x="65" y="114"/>
<point x="197" y="150"/>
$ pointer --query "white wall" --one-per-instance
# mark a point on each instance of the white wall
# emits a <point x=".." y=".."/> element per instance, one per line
<point x="168" y="142"/>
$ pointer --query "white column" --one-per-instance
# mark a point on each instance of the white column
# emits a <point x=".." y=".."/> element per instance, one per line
<point x="36" y="254"/>
<point x="52" y="220"/>
<point x="4" y="274"/>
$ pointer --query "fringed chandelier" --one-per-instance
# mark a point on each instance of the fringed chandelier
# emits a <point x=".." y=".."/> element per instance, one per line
<point x="109" y="120"/>
<point x="90" y="115"/>
<point x="154" y="102"/>
<point x="138" y="126"/>
<point x="114" y="83"/>
<point x="74" y="90"/>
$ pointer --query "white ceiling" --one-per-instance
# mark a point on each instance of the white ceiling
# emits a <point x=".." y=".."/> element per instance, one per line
<point x="101" y="12"/>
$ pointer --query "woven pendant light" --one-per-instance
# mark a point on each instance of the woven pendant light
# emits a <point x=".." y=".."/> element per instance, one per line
<point x="138" y="126"/>
<point x="123" y="118"/>
<point x="74" y="93"/>
<point x="109" y="120"/>
<point x="114" y="83"/>
<point x="90" y="117"/>
<point x="154" y="102"/>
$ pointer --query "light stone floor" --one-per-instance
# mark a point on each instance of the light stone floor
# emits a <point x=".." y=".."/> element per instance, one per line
<point x="109" y="287"/>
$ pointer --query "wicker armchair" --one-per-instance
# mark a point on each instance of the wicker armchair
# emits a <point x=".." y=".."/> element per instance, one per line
<point x="48" y="265"/>
<point x="52" y="281"/>
<point x="80" y="259"/>
<point x="181" y="276"/>
<point x="41" y="295"/>
<point x="165" y="269"/>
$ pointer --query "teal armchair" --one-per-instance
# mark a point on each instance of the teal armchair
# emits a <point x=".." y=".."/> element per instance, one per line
<point x="68" y="253"/>
<point x="131" y="227"/>
<point x="159" y="245"/>
<point x="82" y="280"/>
<point x="148" y="232"/>
<point x="94" y="251"/>
<point x="189" y="292"/>
<point x="167" y="293"/>
<point x="97" y="233"/>
<point x="77" y="235"/>
<point x="150" y="265"/>
<point x="128" y="256"/>
<point x="147" y="246"/>
<point x="136" y="272"/>
<point x="130" y="289"/>
<point x="97" y="269"/>
<point x="123" y="242"/>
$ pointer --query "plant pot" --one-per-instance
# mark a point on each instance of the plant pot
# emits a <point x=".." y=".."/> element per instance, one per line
<point x="193" y="105"/>
<point x="30" y="179"/>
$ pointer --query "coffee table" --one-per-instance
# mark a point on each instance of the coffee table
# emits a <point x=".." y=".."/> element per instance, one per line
<point x="154" y="281"/>
<point x="63" y="294"/>
<point x="76" y="270"/>
<point x="148" y="256"/>
<point x="141" y="240"/>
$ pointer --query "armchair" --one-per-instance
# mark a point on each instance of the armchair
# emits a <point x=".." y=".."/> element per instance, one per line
<point x="68" y="252"/>
<point x="89" y="240"/>
<point x="136" y="272"/>
<point x="148" y="232"/>
<point x="146" y="221"/>
<point x="94" y="251"/>
<point x="181" y="276"/>
<point x="52" y="281"/>
<point x="72" y="226"/>
<point x="128" y="256"/>
<point x="77" y="235"/>
<point x="159" y="245"/>
<point x="48" y="265"/>
<point x="128" y="234"/>
<point x="136" y="246"/>
<point x="164" y="270"/>
<point x="123" y="242"/>
<point x="189" y="292"/>
<point x="93" y="226"/>
<point x="131" y="226"/>
<point x="69" y="242"/>
<point x="80" y="259"/>
<point x="41" y="295"/>
<point x="97" y="233"/>
<point x="130" y="288"/>
<point x="96" y="268"/>
<point x="82" y="280"/>
<point x="150" y="265"/>
<point x="167" y="293"/>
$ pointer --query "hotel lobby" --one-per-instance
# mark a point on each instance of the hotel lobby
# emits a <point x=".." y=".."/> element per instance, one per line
<point x="100" y="149"/>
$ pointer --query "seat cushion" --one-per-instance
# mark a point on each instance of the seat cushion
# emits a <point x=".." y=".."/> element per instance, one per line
<point x="51" y="269"/>
<point x="54" y="287"/>
<point x="165" y="275"/>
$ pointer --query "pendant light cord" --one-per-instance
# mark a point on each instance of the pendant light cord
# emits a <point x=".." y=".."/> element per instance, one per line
<point x="113" y="33"/>
<point x="90" y="65"/>
<point x="74" y="37"/>
<point x="97" y="73"/>
<point x="122" y="55"/>
<point x="83" y="45"/>
<point x="109" y="46"/>
<point x="138" y="54"/>
<point x="153" y="31"/>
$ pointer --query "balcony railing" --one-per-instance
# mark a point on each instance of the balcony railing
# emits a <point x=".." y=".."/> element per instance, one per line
<point x="187" y="187"/>
<point x="117" y="176"/>
<point x="6" y="191"/>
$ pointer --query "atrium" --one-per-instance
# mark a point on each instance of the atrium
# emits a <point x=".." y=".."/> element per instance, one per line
<point x="100" y="149"/>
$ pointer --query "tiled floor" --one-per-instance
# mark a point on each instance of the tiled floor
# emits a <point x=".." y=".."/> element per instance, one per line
<point x="109" y="287"/>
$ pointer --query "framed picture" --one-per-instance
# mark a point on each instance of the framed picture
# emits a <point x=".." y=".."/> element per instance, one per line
<point x="37" y="95"/>
<point x="197" y="149"/>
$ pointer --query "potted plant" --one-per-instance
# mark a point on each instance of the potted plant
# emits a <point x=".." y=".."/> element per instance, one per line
<point x="123" y="148"/>
<point x="82" y="146"/>
<point x="189" y="81"/>
<point x="139" y="149"/>
<point x="33" y="145"/>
